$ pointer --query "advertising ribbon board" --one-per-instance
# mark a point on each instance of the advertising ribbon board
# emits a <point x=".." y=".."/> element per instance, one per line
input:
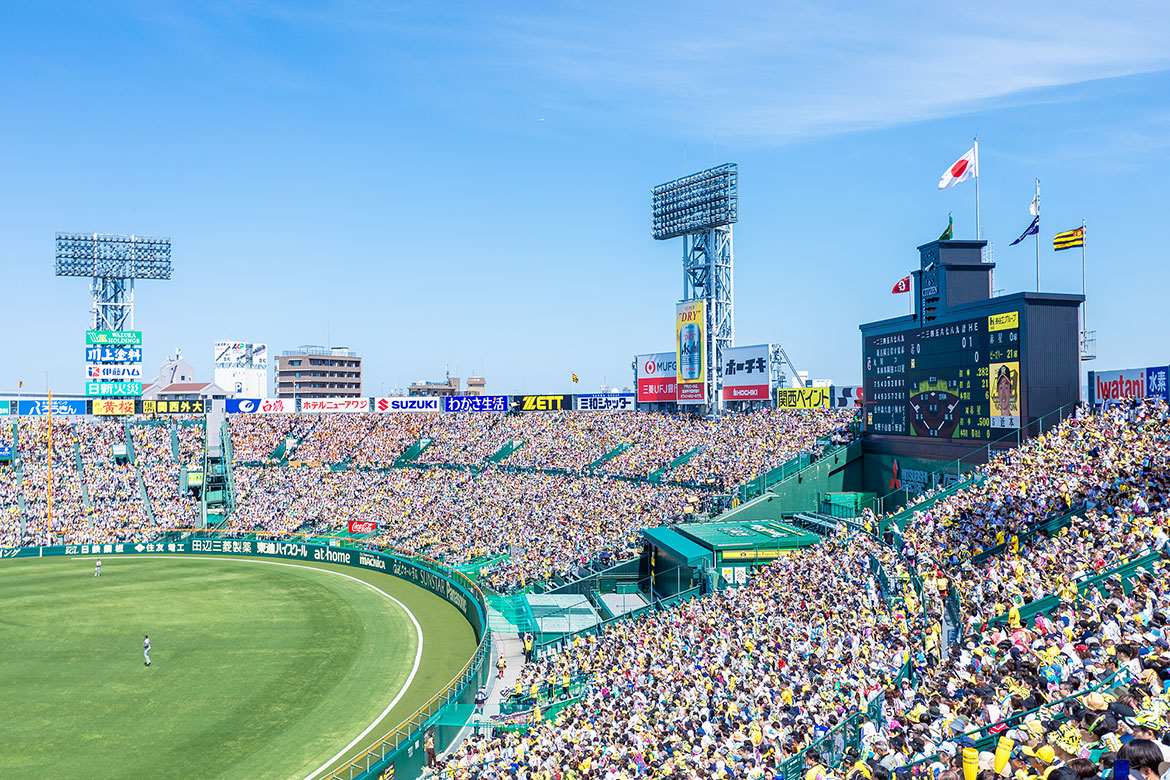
<point x="111" y="373"/>
<point x="340" y="405"/>
<point x="196" y="406"/>
<point x="542" y="403"/>
<point x="803" y="397"/>
<point x="242" y="405"/>
<point x="107" y="406"/>
<point x="606" y="402"/>
<point x="39" y="408"/>
<point x="408" y="404"/>
<point x="690" y="341"/>
<point x="475" y="403"/>
<point x="1114" y="386"/>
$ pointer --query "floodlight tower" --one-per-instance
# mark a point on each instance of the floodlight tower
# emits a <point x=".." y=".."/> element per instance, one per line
<point x="113" y="263"/>
<point x="701" y="208"/>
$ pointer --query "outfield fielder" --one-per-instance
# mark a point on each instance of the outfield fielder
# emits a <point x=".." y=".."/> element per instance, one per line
<point x="97" y="568"/>
<point x="146" y="648"/>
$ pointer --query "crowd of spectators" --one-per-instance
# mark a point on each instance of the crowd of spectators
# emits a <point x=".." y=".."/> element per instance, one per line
<point x="730" y="684"/>
<point x="96" y="489"/>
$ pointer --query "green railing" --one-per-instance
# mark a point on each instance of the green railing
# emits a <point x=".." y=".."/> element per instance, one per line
<point x="759" y="485"/>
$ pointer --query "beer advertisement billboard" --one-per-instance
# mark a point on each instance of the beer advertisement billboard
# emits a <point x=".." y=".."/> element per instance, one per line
<point x="690" y="341"/>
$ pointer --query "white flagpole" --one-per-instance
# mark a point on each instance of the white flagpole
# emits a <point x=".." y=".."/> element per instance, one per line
<point x="977" y="226"/>
<point x="1037" y="236"/>
<point x="910" y="298"/>
<point x="1085" y="305"/>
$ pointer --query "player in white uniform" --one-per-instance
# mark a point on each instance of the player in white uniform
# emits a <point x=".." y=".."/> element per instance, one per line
<point x="97" y="568"/>
<point x="146" y="648"/>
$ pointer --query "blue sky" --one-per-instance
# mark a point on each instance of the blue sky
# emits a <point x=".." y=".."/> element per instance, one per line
<point x="467" y="184"/>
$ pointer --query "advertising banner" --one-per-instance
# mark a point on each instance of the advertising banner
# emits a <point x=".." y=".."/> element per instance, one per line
<point x="113" y="388"/>
<point x="542" y="403"/>
<point x="111" y="373"/>
<point x="746" y="373"/>
<point x="690" y="341"/>
<point x="657" y="375"/>
<point x="408" y="404"/>
<point x="239" y="354"/>
<point x="339" y="405"/>
<point x="803" y="397"/>
<point x="5" y="408"/>
<point x="605" y="402"/>
<point x="6" y="452"/>
<point x="113" y="354"/>
<point x="851" y="397"/>
<point x="278" y="406"/>
<point x="194" y="479"/>
<point x="362" y="526"/>
<point x="106" y="406"/>
<point x="119" y="337"/>
<point x="40" y="407"/>
<point x="1114" y="386"/>
<point x="196" y="406"/>
<point x="475" y="403"/>
<point x="242" y="405"/>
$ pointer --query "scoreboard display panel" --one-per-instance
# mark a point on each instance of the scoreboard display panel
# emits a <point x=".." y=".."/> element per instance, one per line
<point x="959" y="380"/>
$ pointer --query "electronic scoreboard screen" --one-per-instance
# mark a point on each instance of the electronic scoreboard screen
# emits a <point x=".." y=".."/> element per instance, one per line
<point x="956" y="381"/>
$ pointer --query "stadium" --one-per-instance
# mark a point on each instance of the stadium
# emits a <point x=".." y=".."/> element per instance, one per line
<point x="949" y="560"/>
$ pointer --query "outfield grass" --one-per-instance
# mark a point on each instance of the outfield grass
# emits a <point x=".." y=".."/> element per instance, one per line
<point x="258" y="670"/>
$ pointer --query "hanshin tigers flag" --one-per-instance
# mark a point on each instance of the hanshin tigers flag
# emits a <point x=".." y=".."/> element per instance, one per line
<point x="903" y="286"/>
<point x="1069" y="239"/>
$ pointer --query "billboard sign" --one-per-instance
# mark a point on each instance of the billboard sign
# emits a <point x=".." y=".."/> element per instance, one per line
<point x="117" y="337"/>
<point x="277" y="406"/>
<point x="113" y="388"/>
<point x="5" y="408"/>
<point x="804" y="397"/>
<point x="195" y="406"/>
<point x="605" y="402"/>
<point x="1114" y="386"/>
<point x="656" y="374"/>
<point x="113" y="354"/>
<point x="107" y="406"/>
<point x="408" y="404"/>
<point x="362" y="526"/>
<point x="690" y="344"/>
<point x="747" y="374"/>
<point x="240" y="354"/>
<point x="542" y="403"/>
<point x="242" y="405"/>
<point x="852" y="397"/>
<point x="6" y="452"/>
<point x="475" y="403"/>
<point x="96" y="371"/>
<point x="40" y="407"/>
<point x="335" y="405"/>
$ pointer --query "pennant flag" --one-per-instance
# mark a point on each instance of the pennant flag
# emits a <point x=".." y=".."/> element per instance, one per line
<point x="966" y="167"/>
<point x="949" y="233"/>
<point x="903" y="286"/>
<point x="1068" y="239"/>
<point x="1033" y="229"/>
<point x="1034" y="206"/>
<point x="575" y="379"/>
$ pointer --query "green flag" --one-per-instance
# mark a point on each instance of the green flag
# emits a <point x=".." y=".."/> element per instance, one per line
<point x="949" y="233"/>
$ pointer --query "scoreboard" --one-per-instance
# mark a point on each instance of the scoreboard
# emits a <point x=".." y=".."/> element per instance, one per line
<point x="959" y="380"/>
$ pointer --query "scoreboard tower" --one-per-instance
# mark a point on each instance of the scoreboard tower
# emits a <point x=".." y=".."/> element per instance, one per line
<point x="968" y="370"/>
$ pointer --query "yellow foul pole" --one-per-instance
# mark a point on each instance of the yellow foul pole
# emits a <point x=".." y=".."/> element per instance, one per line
<point x="49" y="530"/>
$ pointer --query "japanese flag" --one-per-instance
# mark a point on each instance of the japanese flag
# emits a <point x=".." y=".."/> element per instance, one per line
<point x="964" y="168"/>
